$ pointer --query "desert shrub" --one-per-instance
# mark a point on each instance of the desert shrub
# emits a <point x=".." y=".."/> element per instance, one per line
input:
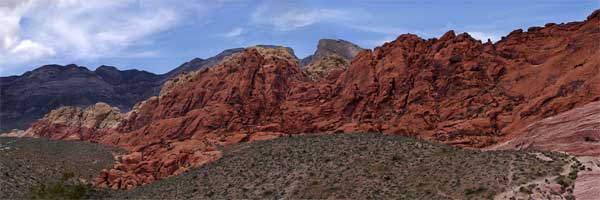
<point x="564" y="182"/>
<point x="475" y="191"/>
<point x="60" y="189"/>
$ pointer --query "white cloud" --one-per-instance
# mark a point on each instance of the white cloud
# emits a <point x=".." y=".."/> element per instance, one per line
<point x="32" y="49"/>
<point x="289" y="17"/>
<point x="379" y="42"/>
<point x="86" y="29"/>
<point x="385" y="30"/>
<point x="234" y="33"/>
<point x="484" y="36"/>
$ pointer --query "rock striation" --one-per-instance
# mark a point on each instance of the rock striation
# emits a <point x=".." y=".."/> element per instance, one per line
<point x="576" y="131"/>
<point x="454" y="90"/>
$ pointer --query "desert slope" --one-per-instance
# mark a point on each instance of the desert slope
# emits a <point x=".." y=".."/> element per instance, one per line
<point x="27" y="162"/>
<point x="357" y="166"/>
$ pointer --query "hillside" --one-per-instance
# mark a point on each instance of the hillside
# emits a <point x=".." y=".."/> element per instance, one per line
<point x="26" y="163"/>
<point x="358" y="166"/>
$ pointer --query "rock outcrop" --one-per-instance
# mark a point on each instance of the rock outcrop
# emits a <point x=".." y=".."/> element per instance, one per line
<point x="331" y="55"/>
<point x="455" y="90"/>
<point x="76" y="123"/>
<point x="326" y="47"/>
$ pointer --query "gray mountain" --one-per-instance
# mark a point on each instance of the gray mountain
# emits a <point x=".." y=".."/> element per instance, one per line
<point x="26" y="98"/>
<point x="326" y="47"/>
<point x="330" y="55"/>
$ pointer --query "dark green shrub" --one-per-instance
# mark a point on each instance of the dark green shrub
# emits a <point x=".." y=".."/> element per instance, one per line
<point x="60" y="189"/>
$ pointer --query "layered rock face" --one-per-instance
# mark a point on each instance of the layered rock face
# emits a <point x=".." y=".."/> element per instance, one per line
<point x="576" y="131"/>
<point x="454" y="90"/>
<point x="331" y="55"/>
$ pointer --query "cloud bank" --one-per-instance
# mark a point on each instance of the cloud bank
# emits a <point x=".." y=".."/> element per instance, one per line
<point x="290" y="16"/>
<point x="85" y="29"/>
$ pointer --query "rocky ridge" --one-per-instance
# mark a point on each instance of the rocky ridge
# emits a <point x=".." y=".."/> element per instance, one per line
<point x="28" y="97"/>
<point x="454" y="90"/>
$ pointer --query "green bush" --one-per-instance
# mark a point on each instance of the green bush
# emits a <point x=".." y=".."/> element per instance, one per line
<point x="60" y="189"/>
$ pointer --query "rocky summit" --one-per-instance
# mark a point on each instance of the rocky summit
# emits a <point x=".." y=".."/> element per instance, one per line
<point x="454" y="90"/>
<point x="331" y="55"/>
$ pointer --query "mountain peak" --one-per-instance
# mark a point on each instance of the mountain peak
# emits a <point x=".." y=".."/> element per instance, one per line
<point x="106" y="68"/>
<point x="595" y="15"/>
<point x="331" y="54"/>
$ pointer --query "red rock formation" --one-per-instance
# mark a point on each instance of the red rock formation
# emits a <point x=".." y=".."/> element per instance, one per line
<point x="454" y="90"/>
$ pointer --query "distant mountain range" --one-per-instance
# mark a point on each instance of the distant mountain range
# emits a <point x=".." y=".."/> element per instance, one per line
<point x="26" y="98"/>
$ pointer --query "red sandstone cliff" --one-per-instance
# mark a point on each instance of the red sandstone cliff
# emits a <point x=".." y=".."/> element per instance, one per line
<point x="454" y="90"/>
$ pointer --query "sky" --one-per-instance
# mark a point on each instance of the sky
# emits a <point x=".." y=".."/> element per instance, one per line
<point x="159" y="35"/>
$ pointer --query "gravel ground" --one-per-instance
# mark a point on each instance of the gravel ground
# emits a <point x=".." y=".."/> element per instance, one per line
<point x="356" y="166"/>
<point x="28" y="162"/>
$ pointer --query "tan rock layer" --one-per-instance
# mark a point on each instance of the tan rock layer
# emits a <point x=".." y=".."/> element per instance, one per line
<point x="82" y="124"/>
<point x="322" y="68"/>
<point x="454" y="90"/>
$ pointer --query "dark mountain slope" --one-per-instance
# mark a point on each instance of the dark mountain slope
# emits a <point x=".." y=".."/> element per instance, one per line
<point x="26" y="98"/>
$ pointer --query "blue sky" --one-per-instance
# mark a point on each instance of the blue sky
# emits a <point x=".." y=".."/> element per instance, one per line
<point x="158" y="35"/>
